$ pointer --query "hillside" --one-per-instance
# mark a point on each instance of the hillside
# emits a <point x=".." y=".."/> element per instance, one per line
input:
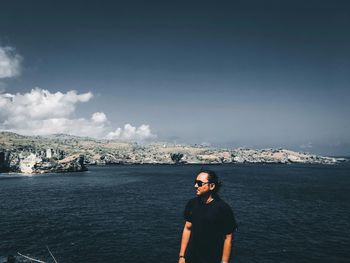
<point x="16" y="149"/>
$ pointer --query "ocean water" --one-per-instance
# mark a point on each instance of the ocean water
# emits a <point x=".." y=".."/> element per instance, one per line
<point x="286" y="213"/>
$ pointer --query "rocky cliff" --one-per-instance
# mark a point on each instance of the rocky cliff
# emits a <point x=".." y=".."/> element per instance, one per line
<point x="61" y="153"/>
<point x="24" y="154"/>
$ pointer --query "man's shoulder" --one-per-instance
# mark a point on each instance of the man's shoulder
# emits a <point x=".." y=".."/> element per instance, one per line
<point x="193" y="203"/>
<point x="190" y="207"/>
<point x="222" y="204"/>
<point x="227" y="216"/>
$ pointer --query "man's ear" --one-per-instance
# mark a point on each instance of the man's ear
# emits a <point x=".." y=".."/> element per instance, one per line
<point x="212" y="186"/>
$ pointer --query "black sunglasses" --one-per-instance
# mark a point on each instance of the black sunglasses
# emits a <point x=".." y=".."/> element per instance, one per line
<point x="200" y="183"/>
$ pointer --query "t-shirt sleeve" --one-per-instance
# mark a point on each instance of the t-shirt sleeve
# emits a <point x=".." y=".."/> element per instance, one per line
<point x="229" y="222"/>
<point x="188" y="211"/>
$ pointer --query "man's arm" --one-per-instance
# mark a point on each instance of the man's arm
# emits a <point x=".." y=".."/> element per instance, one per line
<point x="226" y="252"/>
<point x="184" y="241"/>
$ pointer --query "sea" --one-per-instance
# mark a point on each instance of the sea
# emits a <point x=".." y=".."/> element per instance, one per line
<point x="134" y="213"/>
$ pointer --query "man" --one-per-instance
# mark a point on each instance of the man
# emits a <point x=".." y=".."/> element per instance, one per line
<point x="209" y="224"/>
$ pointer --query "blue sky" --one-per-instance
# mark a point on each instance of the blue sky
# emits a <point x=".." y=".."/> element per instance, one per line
<point x="229" y="73"/>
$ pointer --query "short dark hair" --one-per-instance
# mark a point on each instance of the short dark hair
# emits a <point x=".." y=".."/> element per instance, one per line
<point x="212" y="178"/>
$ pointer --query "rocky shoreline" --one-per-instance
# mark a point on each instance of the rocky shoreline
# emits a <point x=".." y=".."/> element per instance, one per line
<point x="65" y="153"/>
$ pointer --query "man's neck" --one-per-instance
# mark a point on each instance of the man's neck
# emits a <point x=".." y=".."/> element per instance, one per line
<point x="207" y="199"/>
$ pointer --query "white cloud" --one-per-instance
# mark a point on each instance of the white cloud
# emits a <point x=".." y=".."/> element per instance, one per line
<point x="99" y="117"/>
<point x="131" y="133"/>
<point x="40" y="112"/>
<point x="40" y="104"/>
<point x="10" y="62"/>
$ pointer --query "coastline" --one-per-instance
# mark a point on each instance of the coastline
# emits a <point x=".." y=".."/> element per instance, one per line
<point x="65" y="153"/>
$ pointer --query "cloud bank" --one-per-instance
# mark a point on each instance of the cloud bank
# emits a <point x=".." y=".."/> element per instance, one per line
<point x="40" y="112"/>
<point x="99" y="117"/>
<point x="129" y="132"/>
<point x="10" y="63"/>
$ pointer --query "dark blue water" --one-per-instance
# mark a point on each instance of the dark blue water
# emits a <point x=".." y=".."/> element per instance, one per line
<point x="286" y="213"/>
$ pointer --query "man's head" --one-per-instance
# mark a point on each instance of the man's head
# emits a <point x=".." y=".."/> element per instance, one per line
<point x="207" y="183"/>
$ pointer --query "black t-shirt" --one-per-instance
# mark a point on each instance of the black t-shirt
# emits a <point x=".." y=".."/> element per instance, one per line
<point x="210" y="223"/>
